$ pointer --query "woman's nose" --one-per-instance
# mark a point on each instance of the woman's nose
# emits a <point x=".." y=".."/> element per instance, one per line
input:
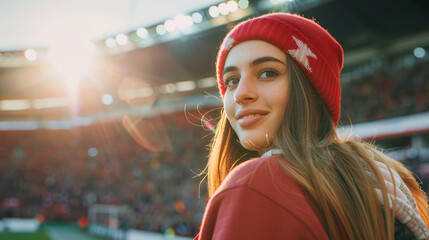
<point x="246" y="91"/>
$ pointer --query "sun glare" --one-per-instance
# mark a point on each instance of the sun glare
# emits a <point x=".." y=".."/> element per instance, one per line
<point x="71" y="59"/>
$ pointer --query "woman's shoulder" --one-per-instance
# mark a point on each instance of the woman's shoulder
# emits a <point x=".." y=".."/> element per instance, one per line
<point x="266" y="177"/>
<point x="247" y="171"/>
<point x="261" y="183"/>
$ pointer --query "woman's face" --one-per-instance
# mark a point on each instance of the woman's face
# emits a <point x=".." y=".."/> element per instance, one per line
<point x="257" y="82"/>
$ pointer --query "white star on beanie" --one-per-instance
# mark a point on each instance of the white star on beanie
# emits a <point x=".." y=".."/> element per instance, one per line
<point x="302" y="53"/>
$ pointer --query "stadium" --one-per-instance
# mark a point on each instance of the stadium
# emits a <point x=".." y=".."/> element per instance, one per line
<point x="107" y="138"/>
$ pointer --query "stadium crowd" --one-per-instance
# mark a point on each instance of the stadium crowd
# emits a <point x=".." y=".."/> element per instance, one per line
<point x="386" y="94"/>
<point x="150" y="164"/>
<point x="60" y="173"/>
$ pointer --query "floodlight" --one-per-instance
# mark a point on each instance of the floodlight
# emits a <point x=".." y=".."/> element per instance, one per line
<point x="170" y="26"/>
<point x="30" y="54"/>
<point x="243" y="4"/>
<point x="183" y="21"/>
<point x="232" y="6"/>
<point x="223" y="9"/>
<point x="197" y="17"/>
<point x="121" y="39"/>
<point x="110" y="42"/>
<point x="160" y="29"/>
<point x="214" y="11"/>
<point x="419" y="52"/>
<point x="142" y="32"/>
<point x="107" y="99"/>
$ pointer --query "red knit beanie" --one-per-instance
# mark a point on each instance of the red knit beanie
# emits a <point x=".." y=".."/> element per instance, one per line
<point x="318" y="54"/>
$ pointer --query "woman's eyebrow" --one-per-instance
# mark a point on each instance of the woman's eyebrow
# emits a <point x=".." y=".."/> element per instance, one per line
<point x="229" y="69"/>
<point x="254" y="63"/>
<point x="266" y="59"/>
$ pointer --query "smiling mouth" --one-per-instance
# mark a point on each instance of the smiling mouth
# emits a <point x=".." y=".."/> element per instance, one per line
<point x="252" y="115"/>
<point x="250" y="120"/>
<point x="249" y="113"/>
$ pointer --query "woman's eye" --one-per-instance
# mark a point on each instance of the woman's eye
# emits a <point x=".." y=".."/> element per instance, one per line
<point x="268" y="74"/>
<point x="230" y="82"/>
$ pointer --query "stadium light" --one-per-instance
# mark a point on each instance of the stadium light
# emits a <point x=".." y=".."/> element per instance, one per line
<point x="419" y="52"/>
<point x="110" y="42"/>
<point x="185" y="86"/>
<point x="232" y="6"/>
<point x="121" y="39"/>
<point x="107" y="99"/>
<point x="30" y="54"/>
<point x="214" y="11"/>
<point x="170" y="26"/>
<point x="160" y="29"/>
<point x="183" y="21"/>
<point x="92" y="152"/>
<point x="167" y="88"/>
<point x="223" y="9"/>
<point x="142" y="32"/>
<point x="197" y="17"/>
<point x="207" y="82"/>
<point x="243" y="4"/>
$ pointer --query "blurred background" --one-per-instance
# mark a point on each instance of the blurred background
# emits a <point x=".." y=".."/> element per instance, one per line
<point x="107" y="107"/>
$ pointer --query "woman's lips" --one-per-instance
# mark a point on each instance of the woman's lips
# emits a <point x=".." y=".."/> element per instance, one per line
<point x="249" y="120"/>
<point x="248" y="117"/>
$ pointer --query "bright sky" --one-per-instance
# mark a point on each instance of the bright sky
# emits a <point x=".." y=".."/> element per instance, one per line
<point x="39" y="23"/>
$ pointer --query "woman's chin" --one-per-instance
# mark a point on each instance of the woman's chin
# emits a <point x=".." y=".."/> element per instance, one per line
<point x="255" y="146"/>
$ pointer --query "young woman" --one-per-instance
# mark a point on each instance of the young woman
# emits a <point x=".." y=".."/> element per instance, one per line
<point x="277" y="169"/>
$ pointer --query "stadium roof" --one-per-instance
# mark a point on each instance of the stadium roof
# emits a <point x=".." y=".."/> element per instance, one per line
<point x="36" y="23"/>
<point x="365" y="29"/>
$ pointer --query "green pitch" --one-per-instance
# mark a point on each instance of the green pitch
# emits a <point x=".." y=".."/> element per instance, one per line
<point x="24" y="236"/>
<point x="52" y="231"/>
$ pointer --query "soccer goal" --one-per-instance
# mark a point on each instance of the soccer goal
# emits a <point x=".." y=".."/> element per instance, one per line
<point x="105" y="220"/>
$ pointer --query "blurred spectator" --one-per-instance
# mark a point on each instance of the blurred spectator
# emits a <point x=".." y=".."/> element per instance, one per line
<point x="385" y="95"/>
<point x="151" y="164"/>
<point x="59" y="173"/>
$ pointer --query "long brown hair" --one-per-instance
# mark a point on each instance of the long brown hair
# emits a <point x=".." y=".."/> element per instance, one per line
<point x="330" y="169"/>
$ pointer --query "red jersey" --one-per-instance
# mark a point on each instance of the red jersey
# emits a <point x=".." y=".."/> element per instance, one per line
<point x="257" y="200"/>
